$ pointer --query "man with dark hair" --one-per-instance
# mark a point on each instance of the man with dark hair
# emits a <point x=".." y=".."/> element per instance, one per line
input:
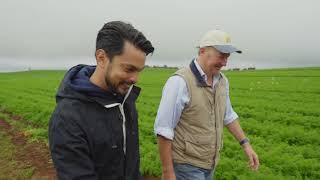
<point x="93" y="131"/>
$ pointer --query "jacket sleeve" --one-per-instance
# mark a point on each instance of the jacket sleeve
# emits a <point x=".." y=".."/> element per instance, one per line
<point x="70" y="150"/>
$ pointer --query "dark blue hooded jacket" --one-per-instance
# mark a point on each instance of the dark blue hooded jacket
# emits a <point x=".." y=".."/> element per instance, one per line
<point x="87" y="130"/>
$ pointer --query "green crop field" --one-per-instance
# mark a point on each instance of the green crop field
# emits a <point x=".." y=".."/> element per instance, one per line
<point x="279" y="111"/>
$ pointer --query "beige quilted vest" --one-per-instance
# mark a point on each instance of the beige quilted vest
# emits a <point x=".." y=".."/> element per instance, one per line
<point x="198" y="135"/>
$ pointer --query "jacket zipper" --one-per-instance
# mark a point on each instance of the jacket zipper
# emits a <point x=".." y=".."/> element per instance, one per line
<point x="123" y="117"/>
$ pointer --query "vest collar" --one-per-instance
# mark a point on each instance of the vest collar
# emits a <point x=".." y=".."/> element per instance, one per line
<point x="197" y="74"/>
<point x="200" y="75"/>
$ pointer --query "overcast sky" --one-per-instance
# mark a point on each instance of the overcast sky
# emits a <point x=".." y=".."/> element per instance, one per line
<point x="61" y="33"/>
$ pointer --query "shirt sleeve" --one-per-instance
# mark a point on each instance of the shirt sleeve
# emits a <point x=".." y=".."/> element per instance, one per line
<point x="230" y="114"/>
<point x="174" y="98"/>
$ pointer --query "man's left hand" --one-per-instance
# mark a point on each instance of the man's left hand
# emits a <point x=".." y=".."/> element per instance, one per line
<point x="253" y="157"/>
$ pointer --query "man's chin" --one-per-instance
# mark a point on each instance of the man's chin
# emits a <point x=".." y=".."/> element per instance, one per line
<point x="123" y="91"/>
<point x="216" y="70"/>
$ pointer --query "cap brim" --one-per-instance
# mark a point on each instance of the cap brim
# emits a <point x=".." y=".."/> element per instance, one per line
<point x="227" y="49"/>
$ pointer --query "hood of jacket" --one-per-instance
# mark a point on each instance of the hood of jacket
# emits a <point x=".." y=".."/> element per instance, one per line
<point x="76" y="84"/>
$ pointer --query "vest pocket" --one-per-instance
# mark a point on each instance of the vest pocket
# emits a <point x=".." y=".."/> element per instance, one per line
<point x="200" y="147"/>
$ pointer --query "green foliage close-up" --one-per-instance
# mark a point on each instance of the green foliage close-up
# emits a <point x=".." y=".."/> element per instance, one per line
<point x="279" y="110"/>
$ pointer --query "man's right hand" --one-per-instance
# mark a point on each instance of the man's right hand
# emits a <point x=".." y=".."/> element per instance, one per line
<point x="165" y="146"/>
<point x="169" y="175"/>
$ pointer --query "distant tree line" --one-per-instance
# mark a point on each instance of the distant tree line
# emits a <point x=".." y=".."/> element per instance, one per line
<point x="164" y="66"/>
<point x="243" y="69"/>
<point x="175" y="67"/>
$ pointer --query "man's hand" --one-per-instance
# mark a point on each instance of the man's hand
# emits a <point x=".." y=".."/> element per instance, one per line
<point x="165" y="146"/>
<point x="236" y="130"/>
<point x="168" y="175"/>
<point x="253" y="157"/>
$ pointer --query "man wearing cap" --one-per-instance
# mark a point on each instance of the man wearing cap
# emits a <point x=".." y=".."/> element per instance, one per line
<point x="194" y="107"/>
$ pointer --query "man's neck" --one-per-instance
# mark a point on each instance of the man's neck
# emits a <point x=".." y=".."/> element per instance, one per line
<point x="206" y="70"/>
<point x="97" y="81"/>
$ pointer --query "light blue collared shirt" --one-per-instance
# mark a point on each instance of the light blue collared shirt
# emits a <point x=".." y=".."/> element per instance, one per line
<point x="175" y="97"/>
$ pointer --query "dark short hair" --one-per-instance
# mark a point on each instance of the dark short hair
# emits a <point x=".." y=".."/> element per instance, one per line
<point x="113" y="34"/>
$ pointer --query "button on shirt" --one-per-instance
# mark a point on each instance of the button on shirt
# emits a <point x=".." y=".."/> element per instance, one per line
<point x="175" y="97"/>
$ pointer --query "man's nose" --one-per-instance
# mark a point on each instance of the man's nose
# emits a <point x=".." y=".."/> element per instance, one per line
<point x="134" y="78"/>
<point x="224" y="61"/>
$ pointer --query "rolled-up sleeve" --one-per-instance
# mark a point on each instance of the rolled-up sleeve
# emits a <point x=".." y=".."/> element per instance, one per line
<point x="230" y="114"/>
<point x="174" y="98"/>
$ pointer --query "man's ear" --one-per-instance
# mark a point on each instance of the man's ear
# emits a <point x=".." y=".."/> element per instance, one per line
<point x="102" y="58"/>
<point x="202" y="51"/>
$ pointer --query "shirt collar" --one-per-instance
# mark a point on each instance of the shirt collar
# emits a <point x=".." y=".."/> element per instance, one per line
<point x="201" y="76"/>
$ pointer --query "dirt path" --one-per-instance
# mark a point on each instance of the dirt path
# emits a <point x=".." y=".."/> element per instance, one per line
<point x="32" y="154"/>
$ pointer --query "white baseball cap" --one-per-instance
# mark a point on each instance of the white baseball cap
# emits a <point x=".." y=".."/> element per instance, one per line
<point x="218" y="39"/>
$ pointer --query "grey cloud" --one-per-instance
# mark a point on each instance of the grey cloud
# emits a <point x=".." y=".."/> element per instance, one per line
<point x="267" y="31"/>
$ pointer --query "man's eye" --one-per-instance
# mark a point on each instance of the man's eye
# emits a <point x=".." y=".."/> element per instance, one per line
<point x="129" y="70"/>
